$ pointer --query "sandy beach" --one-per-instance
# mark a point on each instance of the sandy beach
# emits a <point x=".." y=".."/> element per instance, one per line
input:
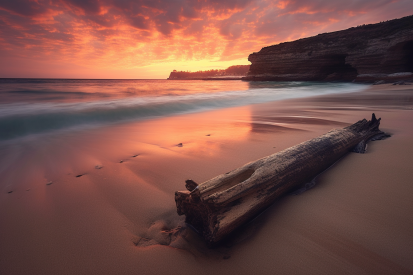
<point x="102" y="201"/>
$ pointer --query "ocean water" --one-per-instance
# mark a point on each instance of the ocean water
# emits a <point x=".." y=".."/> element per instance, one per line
<point x="41" y="106"/>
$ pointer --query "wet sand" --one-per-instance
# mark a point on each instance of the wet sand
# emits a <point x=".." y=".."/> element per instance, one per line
<point x="102" y="201"/>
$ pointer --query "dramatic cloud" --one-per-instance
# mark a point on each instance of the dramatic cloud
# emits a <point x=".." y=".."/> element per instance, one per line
<point x="110" y="37"/>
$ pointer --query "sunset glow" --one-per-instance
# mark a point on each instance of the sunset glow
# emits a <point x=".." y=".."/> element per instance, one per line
<point x="148" y="39"/>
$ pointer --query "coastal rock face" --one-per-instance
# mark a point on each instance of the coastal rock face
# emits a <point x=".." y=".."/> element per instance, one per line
<point x="367" y="53"/>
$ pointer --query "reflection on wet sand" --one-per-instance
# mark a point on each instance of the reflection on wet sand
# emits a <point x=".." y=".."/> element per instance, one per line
<point x="44" y="158"/>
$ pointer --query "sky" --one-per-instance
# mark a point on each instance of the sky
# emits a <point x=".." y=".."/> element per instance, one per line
<point x="147" y="39"/>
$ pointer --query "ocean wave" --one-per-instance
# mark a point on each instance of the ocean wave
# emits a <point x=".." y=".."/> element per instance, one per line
<point x="24" y="118"/>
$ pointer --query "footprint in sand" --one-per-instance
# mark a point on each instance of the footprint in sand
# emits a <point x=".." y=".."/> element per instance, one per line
<point x="179" y="236"/>
<point x="158" y="234"/>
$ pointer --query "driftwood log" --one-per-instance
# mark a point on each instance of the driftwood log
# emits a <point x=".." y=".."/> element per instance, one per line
<point x="218" y="206"/>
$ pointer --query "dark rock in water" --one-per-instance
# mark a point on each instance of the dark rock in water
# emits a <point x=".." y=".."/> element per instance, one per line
<point x="49" y="183"/>
<point x="98" y="167"/>
<point x="78" y="176"/>
<point x="121" y="161"/>
<point x="10" y="192"/>
<point x="366" y="53"/>
<point x="179" y="145"/>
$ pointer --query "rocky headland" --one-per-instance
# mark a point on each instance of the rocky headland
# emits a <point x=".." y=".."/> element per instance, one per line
<point x="234" y="72"/>
<point x="368" y="53"/>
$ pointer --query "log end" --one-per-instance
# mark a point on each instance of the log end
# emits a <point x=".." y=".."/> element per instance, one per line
<point x="190" y="185"/>
<point x="181" y="199"/>
<point x="368" y="128"/>
<point x="374" y="123"/>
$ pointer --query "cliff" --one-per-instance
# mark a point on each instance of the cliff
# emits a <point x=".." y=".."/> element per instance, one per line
<point x="232" y="72"/>
<point x="367" y="53"/>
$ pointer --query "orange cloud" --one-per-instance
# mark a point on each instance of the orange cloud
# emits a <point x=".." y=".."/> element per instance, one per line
<point x="282" y="4"/>
<point x="107" y="38"/>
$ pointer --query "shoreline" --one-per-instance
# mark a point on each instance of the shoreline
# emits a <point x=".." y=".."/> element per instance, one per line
<point x="378" y="79"/>
<point x="355" y="220"/>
